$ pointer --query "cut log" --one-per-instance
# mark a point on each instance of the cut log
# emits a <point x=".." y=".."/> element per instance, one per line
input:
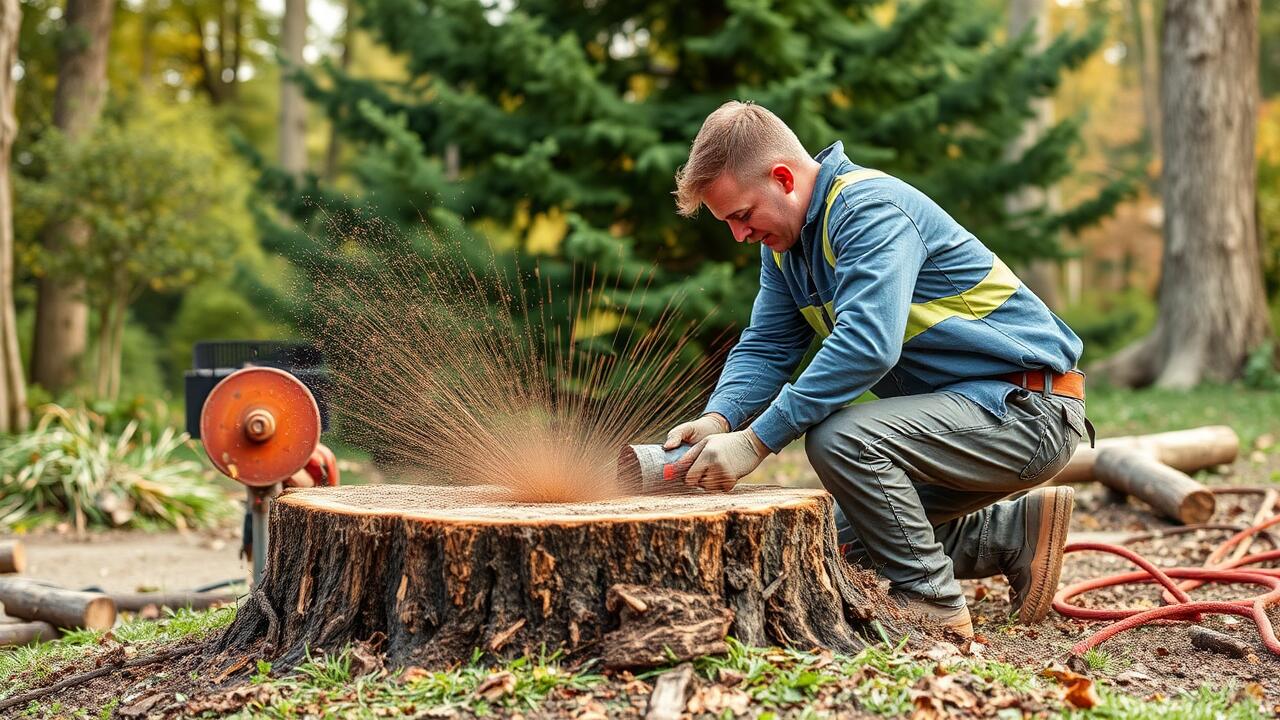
<point x="1186" y="450"/>
<point x="13" y="556"/>
<point x="442" y="571"/>
<point x="25" y="633"/>
<point x="1170" y="492"/>
<point x="61" y="608"/>
<point x="135" y="602"/>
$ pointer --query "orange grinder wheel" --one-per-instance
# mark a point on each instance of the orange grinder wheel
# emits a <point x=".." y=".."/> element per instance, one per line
<point x="260" y="425"/>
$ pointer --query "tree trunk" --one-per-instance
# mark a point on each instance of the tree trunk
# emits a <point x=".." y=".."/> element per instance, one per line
<point x="348" y="36"/>
<point x="293" y="120"/>
<point x="13" y="388"/>
<point x="441" y="571"/>
<point x="1213" y="308"/>
<point x="1041" y="276"/>
<point x="1142" y="16"/>
<point x="61" y="312"/>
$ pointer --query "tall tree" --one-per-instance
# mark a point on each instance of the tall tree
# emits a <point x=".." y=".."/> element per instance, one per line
<point x="1142" y="15"/>
<point x="567" y="125"/>
<point x="13" y="389"/>
<point x="293" y="110"/>
<point x="1212" y="308"/>
<point x="61" y="313"/>
<point x="1041" y="275"/>
<point x="344" y="63"/>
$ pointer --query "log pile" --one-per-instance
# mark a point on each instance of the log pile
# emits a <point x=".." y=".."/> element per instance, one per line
<point x="435" y="572"/>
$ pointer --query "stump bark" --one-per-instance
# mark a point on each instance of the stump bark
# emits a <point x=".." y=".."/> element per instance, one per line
<point x="434" y="573"/>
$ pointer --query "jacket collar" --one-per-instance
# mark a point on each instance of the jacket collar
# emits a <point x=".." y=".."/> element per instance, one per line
<point x="832" y="160"/>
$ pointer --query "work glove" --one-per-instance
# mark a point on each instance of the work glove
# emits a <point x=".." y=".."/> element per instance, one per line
<point x="723" y="459"/>
<point x="695" y="431"/>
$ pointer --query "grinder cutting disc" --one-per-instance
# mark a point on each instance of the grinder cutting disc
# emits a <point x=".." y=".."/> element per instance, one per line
<point x="260" y="425"/>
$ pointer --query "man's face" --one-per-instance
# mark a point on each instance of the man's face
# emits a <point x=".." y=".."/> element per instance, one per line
<point x="766" y="210"/>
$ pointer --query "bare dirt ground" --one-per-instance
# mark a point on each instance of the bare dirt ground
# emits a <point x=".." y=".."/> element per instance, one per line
<point x="136" y="561"/>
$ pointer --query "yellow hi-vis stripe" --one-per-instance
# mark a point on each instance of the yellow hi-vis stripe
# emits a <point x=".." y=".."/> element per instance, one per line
<point x="975" y="303"/>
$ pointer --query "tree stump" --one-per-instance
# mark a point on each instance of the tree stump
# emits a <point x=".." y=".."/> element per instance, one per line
<point x="435" y="573"/>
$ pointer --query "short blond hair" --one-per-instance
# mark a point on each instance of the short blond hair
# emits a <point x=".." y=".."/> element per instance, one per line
<point x="740" y="137"/>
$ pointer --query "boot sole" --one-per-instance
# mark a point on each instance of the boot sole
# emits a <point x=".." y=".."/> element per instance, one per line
<point x="1055" y="519"/>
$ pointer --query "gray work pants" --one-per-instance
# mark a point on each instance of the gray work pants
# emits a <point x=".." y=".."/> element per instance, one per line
<point x="919" y="480"/>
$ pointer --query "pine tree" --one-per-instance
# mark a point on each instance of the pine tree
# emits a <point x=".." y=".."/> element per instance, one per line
<point x="580" y="113"/>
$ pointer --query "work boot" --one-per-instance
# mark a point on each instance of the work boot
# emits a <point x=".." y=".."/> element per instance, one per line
<point x="1033" y="574"/>
<point x="953" y="618"/>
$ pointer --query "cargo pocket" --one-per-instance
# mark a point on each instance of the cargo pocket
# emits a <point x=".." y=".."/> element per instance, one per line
<point x="1062" y="428"/>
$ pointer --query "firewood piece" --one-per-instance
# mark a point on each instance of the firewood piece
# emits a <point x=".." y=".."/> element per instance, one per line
<point x="59" y="607"/>
<point x="1171" y="492"/>
<point x="1185" y="450"/>
<point x="134" y="602"/>
<point x="25" y="633"/>
<point x="670" y="694"/>
<point x="1214" y="641"/>
<point x="13" y="556"/>
<point x="672" y="625"/>
<point x="444" y="570"/>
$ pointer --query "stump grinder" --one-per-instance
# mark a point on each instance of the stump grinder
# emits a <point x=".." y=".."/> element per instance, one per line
<point x="258" y="408"/>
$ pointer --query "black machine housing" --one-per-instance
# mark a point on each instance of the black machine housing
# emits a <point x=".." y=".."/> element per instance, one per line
<point x="213" y="360"/>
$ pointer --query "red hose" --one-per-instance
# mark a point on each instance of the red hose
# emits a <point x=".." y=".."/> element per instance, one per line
<point x="1179" y="605"/>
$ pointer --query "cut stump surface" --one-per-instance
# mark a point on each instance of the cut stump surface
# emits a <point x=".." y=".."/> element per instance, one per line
<point x="434" y="573"/>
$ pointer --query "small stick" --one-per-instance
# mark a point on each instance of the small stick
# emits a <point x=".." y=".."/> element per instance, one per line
<point x="84" y="677"/>
<point x="1265" y="508"/>
<point x="1214" y="641"/>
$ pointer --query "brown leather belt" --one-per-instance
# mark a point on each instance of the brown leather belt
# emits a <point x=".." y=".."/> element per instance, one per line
<point x="1069" y="384"/>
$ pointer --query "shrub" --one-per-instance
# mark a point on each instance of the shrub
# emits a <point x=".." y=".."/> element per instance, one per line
<point x="72" y="467"/>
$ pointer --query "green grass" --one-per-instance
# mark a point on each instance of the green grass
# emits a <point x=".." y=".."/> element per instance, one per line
<point x="1127" y="412"/>
<point x="27" y="666"/>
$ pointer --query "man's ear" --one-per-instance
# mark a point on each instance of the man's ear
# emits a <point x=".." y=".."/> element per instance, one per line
<point x="782" y="175"/>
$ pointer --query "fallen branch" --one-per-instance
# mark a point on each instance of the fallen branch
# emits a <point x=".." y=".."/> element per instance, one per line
<point x="1214" y="641"/>
<point x="135" y="602"/>
<point x="84" y="677"/>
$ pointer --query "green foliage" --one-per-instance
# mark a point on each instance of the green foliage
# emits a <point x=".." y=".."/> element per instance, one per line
<point x="70" y="467"/>
<point x="178" y="218"/>
<point x="1108" y="322"/>
<point x="584" y="116"/>
<point x="213" y="311"/>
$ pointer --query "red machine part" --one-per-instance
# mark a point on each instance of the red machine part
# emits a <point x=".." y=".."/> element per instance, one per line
<point x="1180" y="606"/>
<point x="321" y="470"/>
<point x="260" y="426"/>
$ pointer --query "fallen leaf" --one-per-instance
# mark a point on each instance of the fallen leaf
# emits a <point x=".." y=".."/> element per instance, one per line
<point x="496" y="685"/>
<point x="1082" y="694"/>
<point x="413" y="672"/>
<point x="942" y="650"/>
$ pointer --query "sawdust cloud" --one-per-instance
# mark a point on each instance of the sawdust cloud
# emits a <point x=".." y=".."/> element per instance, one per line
<point x="456" y="367"/>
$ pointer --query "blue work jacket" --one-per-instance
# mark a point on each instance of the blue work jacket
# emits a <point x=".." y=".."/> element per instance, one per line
<point x="904" y="299"/>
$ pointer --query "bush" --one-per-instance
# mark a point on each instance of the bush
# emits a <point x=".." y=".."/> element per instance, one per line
<point x="71" y="467"/>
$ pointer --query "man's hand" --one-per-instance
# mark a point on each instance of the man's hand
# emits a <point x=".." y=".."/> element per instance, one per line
<point x="695" y="431"/>
<point x="723" y="459"/>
